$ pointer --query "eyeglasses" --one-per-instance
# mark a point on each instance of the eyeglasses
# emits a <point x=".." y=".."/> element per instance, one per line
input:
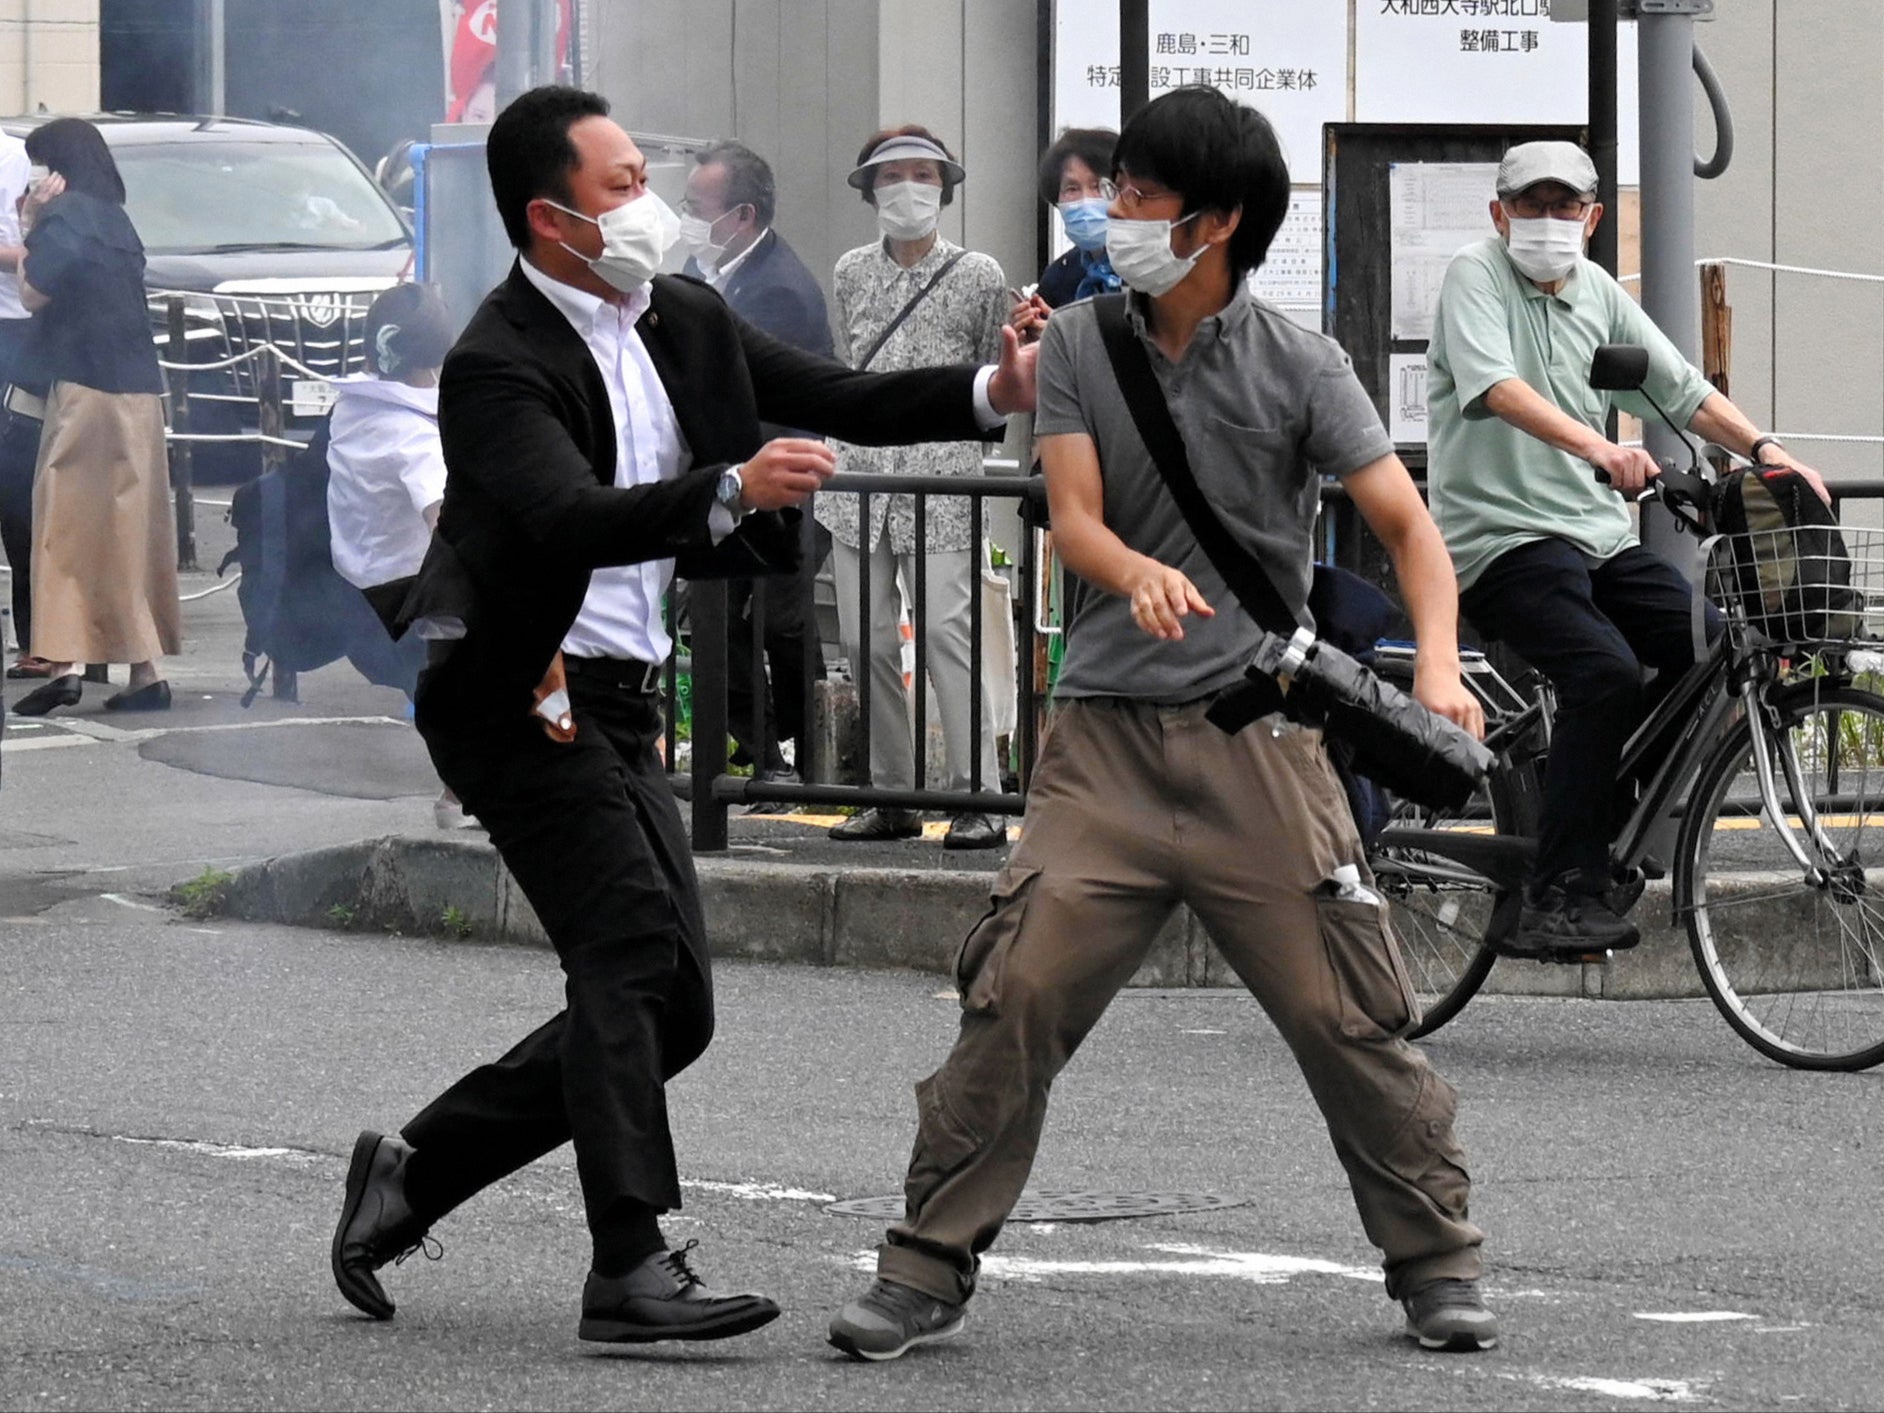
<point x="1130" y="198"/>
<point x="1570" y="208"/>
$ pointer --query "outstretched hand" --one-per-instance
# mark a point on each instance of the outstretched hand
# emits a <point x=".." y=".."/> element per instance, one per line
<point x="1011" y="389"/>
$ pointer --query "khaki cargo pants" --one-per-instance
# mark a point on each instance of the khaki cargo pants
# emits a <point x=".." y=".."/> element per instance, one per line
<point x="1135" y="808"/>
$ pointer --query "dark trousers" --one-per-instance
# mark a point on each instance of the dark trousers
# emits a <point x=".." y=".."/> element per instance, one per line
<point x="19" y="455"/>
<point x="590" y="831"/>
<point x="1590" y="629"/>
<point x="789" y="633"/>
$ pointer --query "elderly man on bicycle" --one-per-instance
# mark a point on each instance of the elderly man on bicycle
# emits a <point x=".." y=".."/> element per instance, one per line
<point x="1547" y="555"/>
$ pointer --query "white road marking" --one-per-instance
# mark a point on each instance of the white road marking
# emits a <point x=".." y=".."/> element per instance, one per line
<point x="1646" y="1390"/>
<point x="1259" y="1268"/>
<point x="1694" y="1317"/>
<point x="125" y="902"/>
<point x="761" y="849"/>
<point x="758" y="1191"/>
<point x="44" y="743"/>
<point x="1203" y="1032"/>
<point x="298" y="1156"/>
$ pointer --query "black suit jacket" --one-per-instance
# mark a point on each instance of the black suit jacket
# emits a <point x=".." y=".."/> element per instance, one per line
<point x="531" y="506"/>
<point x="772" y="290"/>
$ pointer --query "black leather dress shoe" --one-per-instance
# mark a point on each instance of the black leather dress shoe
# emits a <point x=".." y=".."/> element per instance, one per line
<point x="153" y="696"/>
<point x="878" y="824"/>
<point x="60" y="692"/>
<point x="974" y="831"/>
<point x="376" y="1225"/>
<point x="662" y="1298"/>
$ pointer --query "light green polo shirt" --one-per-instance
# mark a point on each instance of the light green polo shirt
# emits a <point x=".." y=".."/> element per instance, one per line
<point x="1493" y="487"/>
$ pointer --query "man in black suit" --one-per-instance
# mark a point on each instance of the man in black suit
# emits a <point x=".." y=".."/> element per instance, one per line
<point x="726" y="225"/>
<point x="600" y="424"/>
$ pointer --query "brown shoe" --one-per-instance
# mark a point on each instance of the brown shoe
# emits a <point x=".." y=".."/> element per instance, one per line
<point x="27" y="665"/>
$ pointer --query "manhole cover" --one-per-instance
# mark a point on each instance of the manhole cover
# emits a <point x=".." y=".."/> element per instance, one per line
<point x="1063" y="1206"/>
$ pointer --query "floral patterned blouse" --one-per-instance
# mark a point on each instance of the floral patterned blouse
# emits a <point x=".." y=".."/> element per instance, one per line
<point x="958" y="322"/>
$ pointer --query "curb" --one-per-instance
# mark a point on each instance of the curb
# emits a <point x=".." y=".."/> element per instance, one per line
<point x="873" y="917"/>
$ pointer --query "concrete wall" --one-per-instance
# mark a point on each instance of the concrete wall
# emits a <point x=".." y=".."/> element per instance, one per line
<point x="49" y="55"/>
<point x="804" y="82"/>
<point x="1806" y="83"/>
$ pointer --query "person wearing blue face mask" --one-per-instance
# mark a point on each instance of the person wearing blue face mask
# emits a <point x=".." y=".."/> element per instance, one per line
<point x="1072" y="174"/>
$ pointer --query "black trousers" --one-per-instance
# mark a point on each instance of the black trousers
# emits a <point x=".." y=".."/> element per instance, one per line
<point x="19" y="456"/>
<point x="789" y="622"/>
<point x="591" y="833"/>
<point x="1590" y="629"/>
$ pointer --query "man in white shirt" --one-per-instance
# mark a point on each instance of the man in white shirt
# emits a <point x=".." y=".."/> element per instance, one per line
<point x="601" y="429"/>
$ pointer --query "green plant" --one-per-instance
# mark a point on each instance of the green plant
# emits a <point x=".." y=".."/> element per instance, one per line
<point x="341" y="916"/>
<point x="454" y="922"/>
<point x="203" y="895"/>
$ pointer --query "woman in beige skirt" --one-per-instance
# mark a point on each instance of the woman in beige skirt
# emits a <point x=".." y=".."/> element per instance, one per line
<point x="104" y="541"/>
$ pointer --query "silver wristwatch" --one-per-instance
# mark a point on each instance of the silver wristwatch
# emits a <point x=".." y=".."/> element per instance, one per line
<point x="732" y="486"/>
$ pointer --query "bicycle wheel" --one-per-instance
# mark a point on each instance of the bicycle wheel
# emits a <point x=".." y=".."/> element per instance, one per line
<point x="1442" y="907"/>
<point x="1808" y="991"/>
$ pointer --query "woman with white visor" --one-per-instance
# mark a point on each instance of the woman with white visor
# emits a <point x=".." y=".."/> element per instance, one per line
<point x="914" y="299"/>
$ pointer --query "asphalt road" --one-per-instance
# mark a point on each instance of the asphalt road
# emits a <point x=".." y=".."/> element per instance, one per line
<point x="178" y="1099"/>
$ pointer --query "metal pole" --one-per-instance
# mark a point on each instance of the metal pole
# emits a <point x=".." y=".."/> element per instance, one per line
<point x="218" y="56"/>
<point x="1670" y="294"/>
<point x="182" y="459"/>
<point x="1603" y="23"/>
<point x="1134" y="57"/>
<point x="516" y="48"/>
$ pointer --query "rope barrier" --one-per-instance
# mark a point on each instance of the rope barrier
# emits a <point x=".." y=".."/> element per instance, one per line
<point x="1746" y="264"/>
<point x="258" y="437"/>
<point x="216" y="588"/>
<point x="287" y="359"/>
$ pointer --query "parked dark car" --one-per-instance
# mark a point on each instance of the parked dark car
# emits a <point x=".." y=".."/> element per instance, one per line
<point x="270" y="235"/>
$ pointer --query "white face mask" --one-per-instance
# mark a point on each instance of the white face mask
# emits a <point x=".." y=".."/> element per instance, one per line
<point x="1543" y="247"/>
<point x="697" y="235"/>
<point x="37" y="173"/>
<point x="635" y="240"/>
<point x="908" y="210"/>
<point x="1141" y="254"/>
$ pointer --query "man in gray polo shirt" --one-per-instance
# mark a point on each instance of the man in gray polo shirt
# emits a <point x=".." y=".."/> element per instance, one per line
<point x="1547" y="555"/>
<point x="1139" y="803"/>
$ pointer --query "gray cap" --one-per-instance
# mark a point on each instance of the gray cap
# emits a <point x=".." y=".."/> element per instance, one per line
<point x="1529" y="163"/>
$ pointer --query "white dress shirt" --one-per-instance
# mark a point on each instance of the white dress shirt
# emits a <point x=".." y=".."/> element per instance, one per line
<point x="723" y="273"/>
<point x="621" y="616"/>
<point x="386" y="469"/>
<point x="15" y="176"/>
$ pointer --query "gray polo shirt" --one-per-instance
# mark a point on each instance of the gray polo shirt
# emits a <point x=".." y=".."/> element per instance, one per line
<point x="1265" y="407"/>
<point x="1494" y="487"/>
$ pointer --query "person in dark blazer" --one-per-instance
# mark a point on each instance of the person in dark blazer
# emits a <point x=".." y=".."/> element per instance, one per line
<point x="601" y="429"/>
<point x="726" y="227"/>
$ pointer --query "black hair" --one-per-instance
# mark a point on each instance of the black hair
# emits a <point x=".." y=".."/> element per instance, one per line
<point x="1093" y="146"/>
<point x="907" y="130"/>
<point x="409" y="326"/>
<point x="748" y="178"/>
<point x="76" y="150"/>
<point x="1216" y="154"/>
<point x="529" y="153"/>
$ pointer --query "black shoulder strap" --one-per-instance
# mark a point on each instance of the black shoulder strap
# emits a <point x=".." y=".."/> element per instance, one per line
<point x="1144" y="399"/>
<point x="908" y="309"/>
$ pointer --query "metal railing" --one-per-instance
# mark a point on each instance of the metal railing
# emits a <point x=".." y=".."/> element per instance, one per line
<point x="713" y="789"/>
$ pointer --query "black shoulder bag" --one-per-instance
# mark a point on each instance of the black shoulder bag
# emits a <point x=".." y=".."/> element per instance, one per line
<point x="1388" y="736"/>
<point x="907" y="310"/>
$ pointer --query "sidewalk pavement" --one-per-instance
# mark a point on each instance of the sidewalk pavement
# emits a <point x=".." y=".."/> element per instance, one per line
<point x="321" y="810"/>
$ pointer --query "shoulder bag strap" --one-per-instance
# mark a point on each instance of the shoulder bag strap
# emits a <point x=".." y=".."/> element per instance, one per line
<point x="1144" y="399"/>
<point x="908" y="309"/>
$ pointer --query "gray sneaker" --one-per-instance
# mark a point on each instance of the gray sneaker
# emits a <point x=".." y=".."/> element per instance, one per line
<point x="1450" y="1315"/>
<point x="889" y="1320"/>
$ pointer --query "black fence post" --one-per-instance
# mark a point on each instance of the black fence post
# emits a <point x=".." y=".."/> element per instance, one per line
<point x="268" y="403"/>
<point x="182" y="451"/>
<point x="707" y="607"/>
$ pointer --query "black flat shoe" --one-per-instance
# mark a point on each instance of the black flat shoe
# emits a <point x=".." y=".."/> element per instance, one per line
<point x="154" y="697"/>
<point x="60" y="692"/>
<point x="663" y="1298"/>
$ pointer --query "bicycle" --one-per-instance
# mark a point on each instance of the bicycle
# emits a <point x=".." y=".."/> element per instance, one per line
<point x="1767" y="755"/>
